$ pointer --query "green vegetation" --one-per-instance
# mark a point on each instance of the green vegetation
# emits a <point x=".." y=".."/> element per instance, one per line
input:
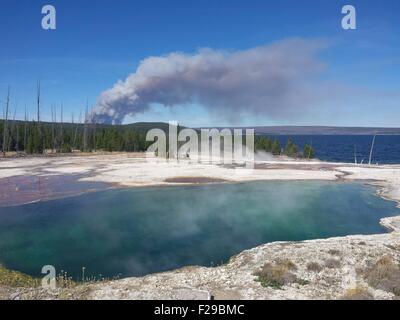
<point x="278" y="274"/>
<point x="266" y="144"/>
<point x="33" y="138"/>
<point x="16" y="279"/>
<point x="308" y="152"/>
<point x="262" y="143"/>
<point x="291" y="149"/>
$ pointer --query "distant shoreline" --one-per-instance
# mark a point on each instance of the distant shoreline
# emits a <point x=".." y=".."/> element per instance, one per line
<point x="273" y="130"/>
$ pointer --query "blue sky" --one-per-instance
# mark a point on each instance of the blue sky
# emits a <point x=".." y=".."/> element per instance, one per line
<point x="99" y="42"/>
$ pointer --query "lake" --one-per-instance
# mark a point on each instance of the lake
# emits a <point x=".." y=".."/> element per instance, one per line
<point x="340" y="148"/>
<point x="133" y="232"/>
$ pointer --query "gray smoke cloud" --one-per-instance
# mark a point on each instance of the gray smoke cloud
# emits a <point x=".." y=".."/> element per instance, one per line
<point x="270" y="80"/>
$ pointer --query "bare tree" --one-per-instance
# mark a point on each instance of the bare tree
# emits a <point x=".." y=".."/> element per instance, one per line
<point x="85" y="129"/>
<point x="25" y="128"/>
<point x="53" y="136"/>
<point x="15" y="126"/>
<point x="10" y="131"/>
<point x="93" y="128"/>
<point x="94" y="136"/>
<point x="5" y="122"/>
<point x="76" y="130"/>
<point x="372" y="149"/>
<point x="38" y="115"/>
<point x="61" y="126"/>
<point x="56" y="145"/>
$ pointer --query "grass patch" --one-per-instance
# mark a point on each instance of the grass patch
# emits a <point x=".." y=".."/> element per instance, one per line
<point x="286" y="263"/>
<point x="357" y="293"/>
<point x="332" y="263"/>
<point x="16" y="279"/>
<point x="278" y="274"/>
<point x="314" y="267"/>
<point x="334" y="252"/>
<point x="384" y="275"/>
<point x="66" y="281"/>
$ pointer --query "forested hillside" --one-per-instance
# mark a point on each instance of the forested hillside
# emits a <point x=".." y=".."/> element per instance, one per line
<point x="32" y="137"/>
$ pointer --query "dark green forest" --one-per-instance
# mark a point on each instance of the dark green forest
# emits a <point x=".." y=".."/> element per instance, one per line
<point x="32" y="137"/>
<point x="263" y="143"/>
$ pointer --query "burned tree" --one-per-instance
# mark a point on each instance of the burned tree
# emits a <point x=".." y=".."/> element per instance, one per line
<point x="5" y="122"/>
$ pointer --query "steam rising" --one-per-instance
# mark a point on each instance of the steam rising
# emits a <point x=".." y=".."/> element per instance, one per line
<point x="270" y="80"/>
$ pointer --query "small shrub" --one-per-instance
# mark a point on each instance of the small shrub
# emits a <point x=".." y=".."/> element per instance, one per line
<point x="287" y="263"/>
<point x="334" y="252"/>
<point x="65" y="281"/>
<point x="278" y="274"/>
<point x="332" y="263"/>
<point x="302" y="282"/>
<point x="314" y="267"/>
<point x="384" y="275"/>
<point x="275" y="276"/>
<point x="308" y="152"/>
<point x="357" y="293"/>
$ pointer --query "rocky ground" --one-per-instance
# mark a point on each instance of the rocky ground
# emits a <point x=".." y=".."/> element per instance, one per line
<point x="353" y="267"/>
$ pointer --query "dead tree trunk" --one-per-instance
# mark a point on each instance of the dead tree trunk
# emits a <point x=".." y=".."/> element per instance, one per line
<point x="17" y="138"/>
<point x="10" y="132"/>
<point x="94" y="136"/>
<point x="85" y="129"/>
<point x="61" y="126"/>
<point x="53" y="136"/>
<point x="14" y="128"/>
<point x="25" y="129"/>
<point x="41" y="140"/>
<point x="5" y="123"/>
<point x="76" y="130"/>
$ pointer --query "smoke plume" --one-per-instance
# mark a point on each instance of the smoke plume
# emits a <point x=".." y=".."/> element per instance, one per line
<point x="270" y="80"/>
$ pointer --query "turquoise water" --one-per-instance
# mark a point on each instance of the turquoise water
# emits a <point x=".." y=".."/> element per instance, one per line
<point x="133" y="232"/>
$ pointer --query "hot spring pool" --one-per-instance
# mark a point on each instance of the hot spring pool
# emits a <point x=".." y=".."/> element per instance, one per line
<point x="133" y="232"/>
